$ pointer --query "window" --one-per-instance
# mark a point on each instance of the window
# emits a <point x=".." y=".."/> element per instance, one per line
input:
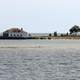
<point x="17" y="35"/>
<point x="11" y="35"/>
<point x="29" y="34"/>
<point x="21" y="35"/>
<point x="14" y="35"/>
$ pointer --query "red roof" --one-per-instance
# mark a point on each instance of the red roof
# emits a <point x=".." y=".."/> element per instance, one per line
<point x="14" y="30"/>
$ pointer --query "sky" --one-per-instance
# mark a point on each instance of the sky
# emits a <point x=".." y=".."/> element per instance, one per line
<point x="39" y="16"/>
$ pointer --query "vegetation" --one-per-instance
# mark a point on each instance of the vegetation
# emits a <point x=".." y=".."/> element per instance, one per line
<point x="75" y="28"/>
<point x="50" y="35"/>
<point x="55" y="33"/>
<point x="67" y="34"/>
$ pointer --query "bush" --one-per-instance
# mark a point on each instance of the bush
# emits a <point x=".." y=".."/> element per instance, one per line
<point x="50" y="35"/>
<point x="55" y="33"/>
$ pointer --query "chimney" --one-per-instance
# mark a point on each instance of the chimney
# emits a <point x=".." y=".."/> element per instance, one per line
<point x="21" y="29"/>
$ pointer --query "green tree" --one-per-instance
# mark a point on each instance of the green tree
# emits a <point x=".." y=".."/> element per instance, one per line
<point x="75" y="28"/>
<point x="50" y="35"/>
<point x="67" y="34"/>
<point x="55" y="33"/>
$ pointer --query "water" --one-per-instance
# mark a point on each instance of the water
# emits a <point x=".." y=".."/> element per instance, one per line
<point x="39" y="60"/>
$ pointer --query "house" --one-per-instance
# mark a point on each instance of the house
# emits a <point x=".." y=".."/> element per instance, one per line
<point x="16" y="33"/>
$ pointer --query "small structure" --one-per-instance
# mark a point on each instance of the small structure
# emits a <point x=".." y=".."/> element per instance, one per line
<point x="16" y="33"/>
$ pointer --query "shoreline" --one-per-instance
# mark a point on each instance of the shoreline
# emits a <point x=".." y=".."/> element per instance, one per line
<point x="42" y="38"/>
<point x="57" y="37"/>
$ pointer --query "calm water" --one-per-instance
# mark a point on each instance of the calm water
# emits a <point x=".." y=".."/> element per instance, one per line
<point x="39" y="59"/>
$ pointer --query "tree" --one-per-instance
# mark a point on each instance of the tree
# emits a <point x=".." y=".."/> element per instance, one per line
<point x="67" y="34"/>
<point x="75" y="28"/>
<point x="55" y="33"/>
<point x="50" y="35"/>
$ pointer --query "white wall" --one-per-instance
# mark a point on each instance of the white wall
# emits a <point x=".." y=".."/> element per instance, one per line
<point x="18" y="34"/>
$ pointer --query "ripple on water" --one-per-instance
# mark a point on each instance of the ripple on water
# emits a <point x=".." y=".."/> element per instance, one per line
<point x="37" y="64"/>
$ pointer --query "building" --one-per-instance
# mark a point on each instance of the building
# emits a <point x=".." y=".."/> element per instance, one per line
<point x="16" y="33"/>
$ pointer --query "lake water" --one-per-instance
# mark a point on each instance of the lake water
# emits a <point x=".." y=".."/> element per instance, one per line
<point x="39" y="59"/>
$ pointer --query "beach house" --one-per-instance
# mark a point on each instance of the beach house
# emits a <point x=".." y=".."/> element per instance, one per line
<point x="16" y="33"/>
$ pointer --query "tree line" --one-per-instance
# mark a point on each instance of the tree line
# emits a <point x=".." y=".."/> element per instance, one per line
<point x="72" y="30"/>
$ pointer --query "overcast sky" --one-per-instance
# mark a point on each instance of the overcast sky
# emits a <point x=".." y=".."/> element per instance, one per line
<point x="39" y="15"/>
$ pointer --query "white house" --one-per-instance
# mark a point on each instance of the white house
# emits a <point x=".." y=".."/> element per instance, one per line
<point x="16" y="33"/>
